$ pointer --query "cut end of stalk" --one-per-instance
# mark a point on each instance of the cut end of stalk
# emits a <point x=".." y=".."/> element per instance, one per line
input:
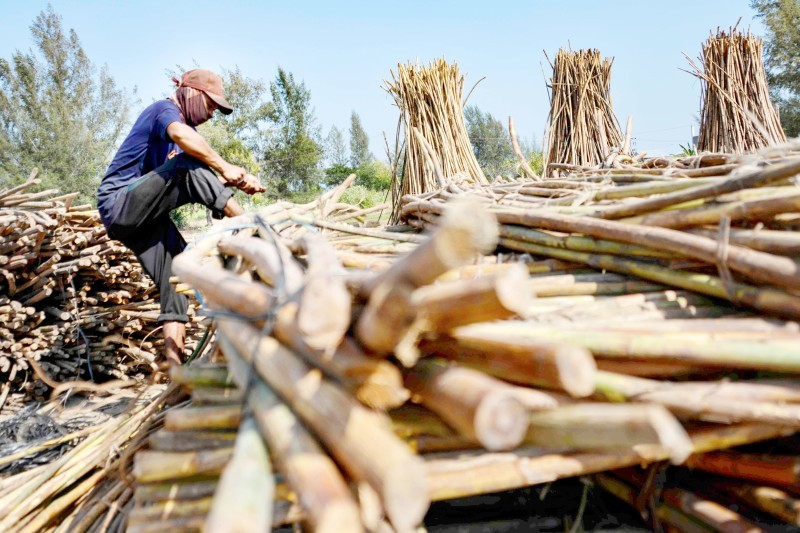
<point x="576" y="369"/>
<point x="511" y="289"/>
<point x="501" y="422"/>
<point x="474" y="230"/>
<point x="324" y="331"/>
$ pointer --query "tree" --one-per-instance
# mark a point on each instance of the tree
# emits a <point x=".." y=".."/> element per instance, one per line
<point x="335" y="149"/>
<point x="782" y="57"/>
<point x="359" y="142"/>
<point x="58" y="112"/>
<point x="292" y="154"/>
<point x="490" y="142"/>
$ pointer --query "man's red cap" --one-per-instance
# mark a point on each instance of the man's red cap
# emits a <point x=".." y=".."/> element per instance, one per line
<point x="208" y="82"/>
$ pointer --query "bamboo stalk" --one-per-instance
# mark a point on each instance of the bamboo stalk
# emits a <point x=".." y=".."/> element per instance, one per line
<point x="526" y="360"/>
<point x="152" y="466"/>
<point x="244" y="496"/>
<point x="477" y="406"/>
<point x="770" y="500"/>
<point x="601" y="426"/>
<point x="756" y="265"/>
<point x="356" y="437"/>
<point x="756" y="177"/>
<point x="445" y="306"/>
<point x="465" y="474"/>
<point x="204" y="418"/>
<point x="779" y="470"/>
<point x="705" y="405"/>
<point x="309" y="471"/>
<point x="465" y="231"/>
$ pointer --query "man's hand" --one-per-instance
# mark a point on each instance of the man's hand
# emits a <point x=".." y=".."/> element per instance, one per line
<point x="251" y="184"/>
<point x="232" y="175"/>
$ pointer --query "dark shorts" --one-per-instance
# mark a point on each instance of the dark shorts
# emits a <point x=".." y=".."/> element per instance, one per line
<point x="140" y="220"/>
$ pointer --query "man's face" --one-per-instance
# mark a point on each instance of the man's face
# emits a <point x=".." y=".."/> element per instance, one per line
<point x="211" y="105"/>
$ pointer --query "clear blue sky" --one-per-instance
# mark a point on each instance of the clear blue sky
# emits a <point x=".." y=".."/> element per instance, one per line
<point x="343" y="51"/>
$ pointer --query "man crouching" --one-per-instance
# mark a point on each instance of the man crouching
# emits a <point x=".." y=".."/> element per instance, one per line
<point x="161" y="165"/>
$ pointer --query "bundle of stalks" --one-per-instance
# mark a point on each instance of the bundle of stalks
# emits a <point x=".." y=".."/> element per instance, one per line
<point x="700" y="235"/>
<point x="74" y="305"/>
<point x="737" y="114"/>
<point x="81" y="489"/>
<point x="583" y="129"/>
<point x="437" y="147"/>
<point x="443" y="318"/>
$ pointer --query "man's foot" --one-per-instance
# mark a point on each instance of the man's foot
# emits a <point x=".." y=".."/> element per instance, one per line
<point x="174" y="336"/>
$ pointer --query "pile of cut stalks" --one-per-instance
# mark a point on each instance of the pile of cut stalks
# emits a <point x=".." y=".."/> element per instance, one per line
<point x="74" y="304"/>
<point x="591" y="324"/>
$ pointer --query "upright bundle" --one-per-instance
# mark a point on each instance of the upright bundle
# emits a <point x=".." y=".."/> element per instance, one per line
<point x="583" y="128"/>
<point x="737" y="114"/>
<point x="430" y="102"/>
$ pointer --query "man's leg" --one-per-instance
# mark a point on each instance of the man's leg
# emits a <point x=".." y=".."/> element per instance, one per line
<point x="174" y="336"/>
<point x="180" y="181"/>
<point x="155" y="250"/>
<point x="232" y="208"/>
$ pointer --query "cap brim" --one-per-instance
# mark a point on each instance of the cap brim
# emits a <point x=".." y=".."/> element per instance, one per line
<point x="224" y="107"/>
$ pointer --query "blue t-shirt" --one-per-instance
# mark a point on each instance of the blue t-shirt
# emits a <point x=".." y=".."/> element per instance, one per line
<point x="146" y="147"/>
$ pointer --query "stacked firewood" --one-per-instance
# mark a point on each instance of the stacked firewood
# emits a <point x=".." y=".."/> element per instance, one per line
<point x="737" y="113"/>
<point x="431" y="372"/>
<point x="73" y="303"/>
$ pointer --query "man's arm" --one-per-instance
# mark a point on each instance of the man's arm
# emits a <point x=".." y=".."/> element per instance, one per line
<point x="195" y="145"/>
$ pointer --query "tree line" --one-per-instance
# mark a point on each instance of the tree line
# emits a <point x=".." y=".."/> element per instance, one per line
<point x="66" y="117"/>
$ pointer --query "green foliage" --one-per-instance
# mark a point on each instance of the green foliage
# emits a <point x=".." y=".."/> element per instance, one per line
<point x="374" y="175"/>
<point x="292" y="154"/>
<point x="363" y="197"/>
<point x="58" y="112"/>
<point x="336" y="174"/>
<point x="536" y="161"/>
<point x="782" y="57"/>
<point x="490" y="142"/>
<point x="335" y="149"/>
<point x="687" y="150"/>
<point x="359" y="142"/>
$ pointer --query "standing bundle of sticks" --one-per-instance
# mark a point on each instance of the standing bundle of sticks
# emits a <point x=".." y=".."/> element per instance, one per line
<point x="73" y="303"/>
<point x="583" y="129"/>
<point x="737" y="114"/>
<point x="437" y="146"/>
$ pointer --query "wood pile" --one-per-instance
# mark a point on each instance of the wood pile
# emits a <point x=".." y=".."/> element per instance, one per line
<point x="583" y="129"/>
<point x="737" y="114"/>
<point x="437" y="146"/>
<point x="74" y="305"/>
<point x="601" y="332"/>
